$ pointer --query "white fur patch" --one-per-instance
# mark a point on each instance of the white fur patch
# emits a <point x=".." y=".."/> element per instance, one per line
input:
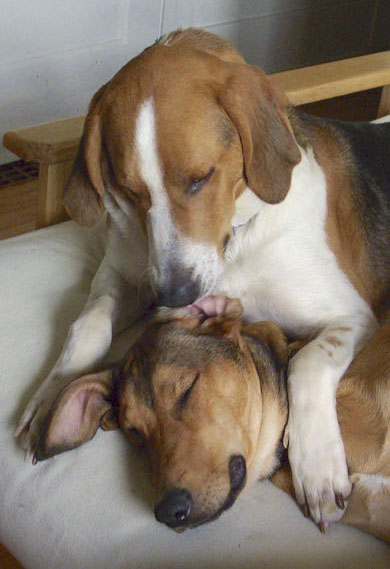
<point x="374" y="483"/>
<point x="247" y="205"/>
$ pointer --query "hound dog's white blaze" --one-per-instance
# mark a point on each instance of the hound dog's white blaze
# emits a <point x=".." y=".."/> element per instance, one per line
<point x="167" y="245"/>
<point x="161" y="232"/>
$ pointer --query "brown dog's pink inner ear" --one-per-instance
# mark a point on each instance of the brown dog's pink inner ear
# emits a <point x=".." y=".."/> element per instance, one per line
<point x="76" y="414"/>
<point x="258" y="109"/>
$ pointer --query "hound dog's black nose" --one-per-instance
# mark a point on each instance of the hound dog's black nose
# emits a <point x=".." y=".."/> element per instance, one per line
<point x="178" y="294"/>
<point x="174" y="509"/>
<point x="177" y="286"/>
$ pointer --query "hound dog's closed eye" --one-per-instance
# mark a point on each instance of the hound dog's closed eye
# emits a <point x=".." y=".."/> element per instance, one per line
<point x="208" y="401"/>
<point x="212" y="182"/>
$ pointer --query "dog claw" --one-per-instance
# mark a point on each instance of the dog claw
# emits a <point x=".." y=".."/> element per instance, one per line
<point x="21" y="427"/>
<point x="305" y="510"/>
<point x="324" y="527"/>
<point x="18" y="430"/>
<point x="340" y="501"/>
<point x="286" y="439"/>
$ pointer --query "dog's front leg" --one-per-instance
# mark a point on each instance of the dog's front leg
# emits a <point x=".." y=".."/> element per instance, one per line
<point x="316" y="450"/>
<point x="111" y="306"/>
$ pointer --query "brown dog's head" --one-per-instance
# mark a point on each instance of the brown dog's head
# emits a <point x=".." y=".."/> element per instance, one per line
<point x="179" y="134"/>
<point x="206" y="399"/>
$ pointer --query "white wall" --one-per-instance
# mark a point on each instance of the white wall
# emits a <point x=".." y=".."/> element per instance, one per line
<point x="54" y="54"/>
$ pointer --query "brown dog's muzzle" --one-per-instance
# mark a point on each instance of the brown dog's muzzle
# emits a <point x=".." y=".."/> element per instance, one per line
<point x="176" y="508"/>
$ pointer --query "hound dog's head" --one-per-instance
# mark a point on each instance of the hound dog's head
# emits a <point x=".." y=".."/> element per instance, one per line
<point x="206" y="398"/>
<point x="180" y="133"/>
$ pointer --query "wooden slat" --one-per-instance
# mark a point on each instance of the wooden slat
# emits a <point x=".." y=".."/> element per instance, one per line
<point x="319" y="82"/>
<point x="384" y="104"/>
<point x="52" y="180"/>
<point x="48" y="142"/>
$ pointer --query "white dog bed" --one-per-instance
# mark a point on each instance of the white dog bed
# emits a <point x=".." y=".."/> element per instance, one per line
<point x="92" y="508"/>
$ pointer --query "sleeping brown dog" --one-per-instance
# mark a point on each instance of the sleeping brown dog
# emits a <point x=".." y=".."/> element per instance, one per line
<point x="207" y="399"/>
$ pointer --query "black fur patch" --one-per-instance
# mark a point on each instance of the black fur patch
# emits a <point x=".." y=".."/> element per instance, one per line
<point x="370" y="149"/>
<point x="269" y="367"/>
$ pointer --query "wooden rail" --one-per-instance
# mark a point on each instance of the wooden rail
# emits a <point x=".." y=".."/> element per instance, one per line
<point x="54" y="145"/>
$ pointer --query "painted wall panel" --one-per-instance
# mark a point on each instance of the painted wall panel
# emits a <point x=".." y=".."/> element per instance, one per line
<point x="54" y="54"/>
<point x="34" y="29"/>
<point x="304" y="37"/>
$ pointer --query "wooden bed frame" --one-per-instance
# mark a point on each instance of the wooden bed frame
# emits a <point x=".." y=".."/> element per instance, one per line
<point x="54" y="145"/>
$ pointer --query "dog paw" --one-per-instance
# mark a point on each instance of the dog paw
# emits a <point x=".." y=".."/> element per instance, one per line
<point x="319" y="469"/>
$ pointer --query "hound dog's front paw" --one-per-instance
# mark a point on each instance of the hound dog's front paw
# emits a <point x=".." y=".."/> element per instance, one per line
<point x="318" y="465"/>
<point x="31" y="421"/>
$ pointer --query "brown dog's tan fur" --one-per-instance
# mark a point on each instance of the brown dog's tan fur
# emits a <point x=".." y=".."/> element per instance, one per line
<point x="195" y="393"/>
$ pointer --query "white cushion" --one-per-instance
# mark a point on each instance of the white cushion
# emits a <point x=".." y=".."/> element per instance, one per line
<point x="92" y="508"/>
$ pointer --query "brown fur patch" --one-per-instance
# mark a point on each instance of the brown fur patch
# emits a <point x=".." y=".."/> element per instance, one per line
<point x="205" y="41"/>
<point x="333" y="341"/>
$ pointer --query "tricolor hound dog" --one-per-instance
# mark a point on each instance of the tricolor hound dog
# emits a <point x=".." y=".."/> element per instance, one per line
<point x="213" y="183"/>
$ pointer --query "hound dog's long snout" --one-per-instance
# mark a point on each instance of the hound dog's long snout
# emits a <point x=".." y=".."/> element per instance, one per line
<point x="176" y="507"/>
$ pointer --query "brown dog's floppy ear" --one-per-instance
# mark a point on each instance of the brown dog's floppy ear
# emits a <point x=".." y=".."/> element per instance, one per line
<point x="75" y="415"/>
<point x="270" y="334"/>
<point x="222" y="327"/>
<point x="257" y="108"/>
<point x="222" y="316"/>
<point x="83" y="194"/>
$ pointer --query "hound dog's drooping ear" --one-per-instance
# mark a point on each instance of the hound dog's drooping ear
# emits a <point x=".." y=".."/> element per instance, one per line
<point x="258" y="109"/>
<point x="75" y="415"/>
<point x="83" y="194"/>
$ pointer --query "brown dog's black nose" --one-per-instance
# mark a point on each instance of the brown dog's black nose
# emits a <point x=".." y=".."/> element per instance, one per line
<point x="237" y="471"/>
<point x="174" y="509"/>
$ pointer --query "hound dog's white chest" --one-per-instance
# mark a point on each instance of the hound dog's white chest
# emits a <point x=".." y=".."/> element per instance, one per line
<point x="279" y="263"/>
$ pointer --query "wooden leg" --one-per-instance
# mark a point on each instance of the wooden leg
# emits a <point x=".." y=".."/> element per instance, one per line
<point x="52" y="180"/>
<point x="384" y="104"/>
